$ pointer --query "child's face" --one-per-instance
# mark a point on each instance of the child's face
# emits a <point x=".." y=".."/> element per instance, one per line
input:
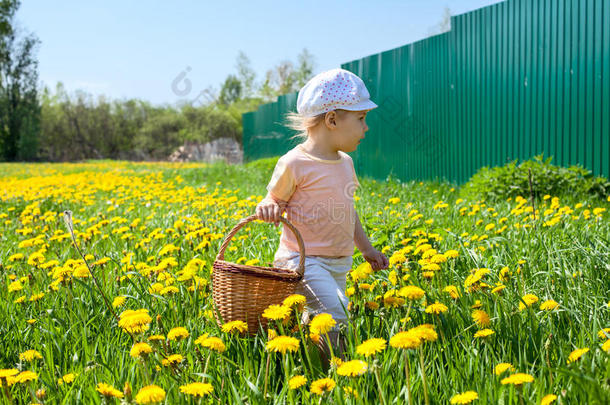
<point x="349" y="130"/>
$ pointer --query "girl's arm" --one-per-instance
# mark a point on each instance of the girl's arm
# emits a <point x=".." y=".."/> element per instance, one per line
<point x="377" y="259"/>
<point x="270" y="209"/>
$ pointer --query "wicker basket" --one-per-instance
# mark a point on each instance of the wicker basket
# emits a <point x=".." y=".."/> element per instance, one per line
<point x="242" y="293"/>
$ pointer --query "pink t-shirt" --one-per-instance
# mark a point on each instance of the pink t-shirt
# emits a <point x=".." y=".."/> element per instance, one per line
<point x="320" y="196"/>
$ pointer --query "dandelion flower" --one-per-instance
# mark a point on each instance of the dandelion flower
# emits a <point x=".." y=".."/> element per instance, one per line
<point x="108" y="390"/>
<point x="481" y="318"/>
<point x="517" y="379"/>
<point x="276" y="312"/>
<point x="212" y="343"/>
<point x="483" y="333"/>
<point x="282" y="344"/>
<point x="30" y="355"/>
<point x="172" y="360"/>
<point x="405" y="340"/>
<point x="156" y="338"/>
<point x="68" y="379"/>
<point x="8" y="372"/>
<point x="150" y="394"/>
<point x="239" y="326"/>
<point x="319" y="387"/>
<point x="371" y="346"/>
<point x="549" y="305"/>
<point x="26" y="376"/>
<point x="502" y="367"/>
<point x="436" y="308"/>
<point x="118" y="301"/>
<point x="548" y="399"/>
<point x="452" y="254"/>
<point x="411" y="292"/>
<point x="352" y="368"/>
<point x="576" y="354"/>
<point x="137" y="321"/>
<point x="322" y="323"/>
<point x="297" y="300"/>
<point x="178" y="333"/>
<point x="604" y="333"/>
<point x="297" y="382"/>
<point x="140" y="349"/>
<point x="465" y="397"/>
<point x="349" y="391"/>
<point x="606" y="346"/>
<point x="528" y="300"/>
<point x="425" y="332"/>
<point x="452" y="291"/>
<point x="197" y="389"/>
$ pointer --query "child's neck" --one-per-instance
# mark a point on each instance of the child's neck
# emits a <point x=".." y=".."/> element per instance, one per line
<point x="319" y="149"/>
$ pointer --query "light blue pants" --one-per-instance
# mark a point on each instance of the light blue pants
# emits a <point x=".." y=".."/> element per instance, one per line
<point x="323" y="283"/>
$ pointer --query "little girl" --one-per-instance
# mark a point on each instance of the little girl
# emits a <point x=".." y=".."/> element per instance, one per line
<point x="314" y="184"/>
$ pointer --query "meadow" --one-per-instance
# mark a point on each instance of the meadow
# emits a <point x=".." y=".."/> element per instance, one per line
<point x="484" y="302"/>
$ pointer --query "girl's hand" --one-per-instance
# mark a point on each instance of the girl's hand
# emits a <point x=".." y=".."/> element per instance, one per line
<point x="376" y="259"/>
<point x="269" y="211"/>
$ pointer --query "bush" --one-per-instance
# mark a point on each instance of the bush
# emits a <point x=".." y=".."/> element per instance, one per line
<point x="512" y="180"/>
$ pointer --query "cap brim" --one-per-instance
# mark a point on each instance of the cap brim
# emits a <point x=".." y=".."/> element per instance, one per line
<point x="361" y="106"/>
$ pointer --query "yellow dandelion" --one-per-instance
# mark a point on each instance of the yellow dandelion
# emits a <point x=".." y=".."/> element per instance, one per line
<point x="212" y="343"/>
<point x="297" y="300"/>
<point x="604" y="333"/>
<point x="283" y="344"/>
<point x="197" y="389"/>
<point x="150" y="394"/>
<point x="30" y="355"/>
<point x="297" y="382"/>
<point x="548" y="399"/>
<point x="26" y="376"/>
<point x="481" y="318"/>
<point x="517" y="379"/>
<point x="465" y="397"/>
<point x="140" y="349"/>
<point x="353" y="368"/>
<point x="235" y="326"/>
<point x="405" y="340"/>
<point x="576" y="354"/>
<point x="424" y="332"/>
<point x="276" y="312"/>
<point x="108" y="390"/>
<point x="137" y="321"/>
<point x="322" y="323"/>
<point x="452" y="254"/>
<point x="483" y="333"/>
<point x="549" y="305"/>
<point x="178" y="333"/>
<point x="67" y="379"/>
<point x="118" y="301"/>
<point x="436" y="308"/>
<point x="606" y="346"/>
<point x="411" y="292"/>
<point x="172" y="360"/>
<point x="452" y="291"/>
<point x="371" y="346"/>
<point x="319" y="387"/>
<point x="527" y="301"/>
<point x="156" y="338"/>
<point x="502" y="367"/>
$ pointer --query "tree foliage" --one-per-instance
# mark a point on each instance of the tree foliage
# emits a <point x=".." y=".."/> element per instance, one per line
<point x="19" y="104"/>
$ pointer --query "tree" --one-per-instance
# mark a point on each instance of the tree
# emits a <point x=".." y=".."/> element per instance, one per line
<point x="231" y="90"/>
<point x="443" y="25"/>
<point x="246" y="75"/>
<point x="19" y="105"/>
<point x="284" y="78"/>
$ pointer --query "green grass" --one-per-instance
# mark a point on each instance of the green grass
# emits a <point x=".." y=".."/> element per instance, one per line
<point x="75" y="332"/>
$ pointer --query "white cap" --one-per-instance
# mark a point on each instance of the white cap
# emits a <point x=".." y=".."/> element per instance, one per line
<point x="333" y="90"/>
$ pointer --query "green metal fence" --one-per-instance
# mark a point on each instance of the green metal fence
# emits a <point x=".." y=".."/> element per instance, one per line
<point x="509" y="81"/>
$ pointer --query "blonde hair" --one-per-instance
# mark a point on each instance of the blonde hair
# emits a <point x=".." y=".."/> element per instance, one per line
<point x="302" y="124"/>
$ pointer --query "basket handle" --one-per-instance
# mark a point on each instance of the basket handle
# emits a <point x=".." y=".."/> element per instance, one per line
<point x="244" y="221"/>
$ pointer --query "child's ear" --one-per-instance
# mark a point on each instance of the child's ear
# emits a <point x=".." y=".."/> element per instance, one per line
<point x="331" y="119"/>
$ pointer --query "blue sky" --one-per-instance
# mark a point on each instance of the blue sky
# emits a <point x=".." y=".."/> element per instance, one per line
<point x="135" y="49"/>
